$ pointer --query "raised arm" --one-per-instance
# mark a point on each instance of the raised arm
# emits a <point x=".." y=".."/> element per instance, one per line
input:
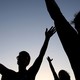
<point x="67" y="35"/>
<point x="52" y="68"/>
<point x="54" y="10"/>
<point x="35" y="67"/>
<point x="59" y="20"/>
<point x="48" y="35"/>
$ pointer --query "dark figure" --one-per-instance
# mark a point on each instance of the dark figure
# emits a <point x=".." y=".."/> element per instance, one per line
<point x="70" y="38"/>
<point x="62" y="75"/>
<point x="23" y="61"/>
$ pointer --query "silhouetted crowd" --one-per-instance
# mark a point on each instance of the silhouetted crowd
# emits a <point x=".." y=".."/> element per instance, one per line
<point x="70" y="39"/>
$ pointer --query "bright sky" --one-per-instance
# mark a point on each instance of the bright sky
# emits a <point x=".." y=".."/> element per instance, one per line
<point x="22" y="27"/>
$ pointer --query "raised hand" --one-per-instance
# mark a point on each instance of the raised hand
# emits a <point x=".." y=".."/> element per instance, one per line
<point x="50" y="32"/>
<point x="48" y="58"/>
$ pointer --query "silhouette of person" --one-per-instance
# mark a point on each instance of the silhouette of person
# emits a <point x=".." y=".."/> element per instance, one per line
<point x="62" y="75"/>
<point x="69" y="37"/>
<point x="23" y="60"/>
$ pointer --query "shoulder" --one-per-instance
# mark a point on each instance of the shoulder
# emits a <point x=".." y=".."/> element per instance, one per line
<point x="5" y="70"/>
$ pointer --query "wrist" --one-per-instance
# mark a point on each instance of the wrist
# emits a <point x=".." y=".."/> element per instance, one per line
<point x="47" y="38"/>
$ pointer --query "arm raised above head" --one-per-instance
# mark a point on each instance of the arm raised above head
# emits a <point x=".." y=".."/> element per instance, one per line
<point x="66" y="33"/>
<point x="60" y="21"/>
<point x="52" y="68"/>
<point x="54" y="10"/>
<point x="68" y="36"/>
<point x="48" y="34"/>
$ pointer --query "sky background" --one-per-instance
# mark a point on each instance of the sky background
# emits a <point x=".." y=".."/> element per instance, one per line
<point x="22" y="27"/>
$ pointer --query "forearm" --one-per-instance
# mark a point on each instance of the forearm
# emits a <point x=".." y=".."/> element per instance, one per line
<point x="53" y="71"/>
<point x="56" y="13"/>
<point x="53" y="9"/>
<point x="65" y="31"/>
<point x="42" y="52"/>
<point x="44" y="47"/>
<point x="59" y="19"/>
<point x="35" y="67"/>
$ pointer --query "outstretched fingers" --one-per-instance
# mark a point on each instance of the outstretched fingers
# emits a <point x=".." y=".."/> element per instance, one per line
<point x="50" y="32"/>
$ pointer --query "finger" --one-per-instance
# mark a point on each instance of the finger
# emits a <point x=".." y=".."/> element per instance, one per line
<point x="54" y="31"/>
<point x="51" y="59"/>
<point x="54" y="27"/>
<point x="51" y="28"/>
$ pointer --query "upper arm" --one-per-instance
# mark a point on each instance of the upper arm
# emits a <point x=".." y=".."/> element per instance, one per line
<point x="35" y="67"/>
<point x="3" y="69"/>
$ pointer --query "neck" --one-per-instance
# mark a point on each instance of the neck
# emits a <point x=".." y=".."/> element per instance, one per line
<point x="22" y="69"/>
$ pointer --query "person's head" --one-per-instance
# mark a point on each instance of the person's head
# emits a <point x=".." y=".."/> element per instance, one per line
<point x="63" y="75"/>
<point x="23" y="59"/>
<point x="76" y="21"/>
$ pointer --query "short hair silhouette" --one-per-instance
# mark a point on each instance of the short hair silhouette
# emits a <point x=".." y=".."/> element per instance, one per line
<point x="64" y="75"/>
<point x="23" y="58"/>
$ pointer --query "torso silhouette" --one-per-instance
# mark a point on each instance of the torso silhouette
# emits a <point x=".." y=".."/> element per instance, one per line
<point x="24" y="76"/>
<point x="8" y="74"/>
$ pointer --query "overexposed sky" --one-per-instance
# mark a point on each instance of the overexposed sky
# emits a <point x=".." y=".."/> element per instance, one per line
<point x="22" y="27"/>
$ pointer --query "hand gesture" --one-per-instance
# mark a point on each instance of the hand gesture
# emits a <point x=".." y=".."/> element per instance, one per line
<point x="48" y="58"/>
<point x="50" y="32"/>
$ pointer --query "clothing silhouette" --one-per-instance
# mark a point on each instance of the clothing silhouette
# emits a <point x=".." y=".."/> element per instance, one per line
<point x="62" y="75"/>
<point x="69" y="37"/>
<point x="23" y="60"/>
